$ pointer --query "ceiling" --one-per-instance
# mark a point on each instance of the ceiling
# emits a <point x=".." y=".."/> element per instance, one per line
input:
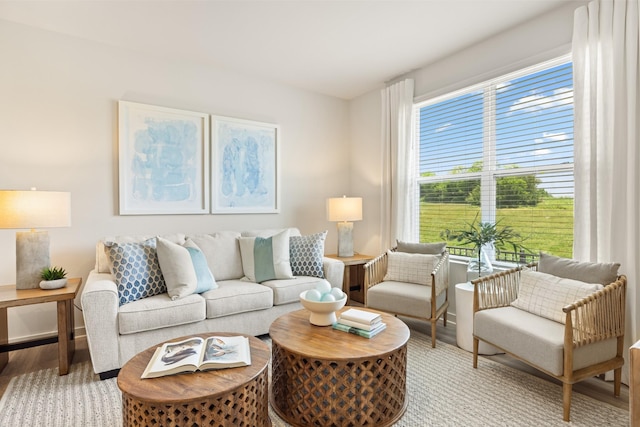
<point x="338" y="48"/>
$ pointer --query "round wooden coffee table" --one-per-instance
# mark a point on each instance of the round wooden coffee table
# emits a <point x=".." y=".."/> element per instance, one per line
<point x="224" y="397"/>
<point x="325" y="377"/>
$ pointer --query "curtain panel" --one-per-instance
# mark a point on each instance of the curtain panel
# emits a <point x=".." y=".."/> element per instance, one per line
<point x="398" y="219"/>
<point x="607" y="146"/>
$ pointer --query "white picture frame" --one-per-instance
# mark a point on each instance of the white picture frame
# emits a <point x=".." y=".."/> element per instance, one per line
<point x="245" y="166"/>
<point x="163" y="160"/>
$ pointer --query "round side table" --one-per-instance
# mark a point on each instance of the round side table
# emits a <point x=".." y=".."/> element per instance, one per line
<point x="464" y="321"/>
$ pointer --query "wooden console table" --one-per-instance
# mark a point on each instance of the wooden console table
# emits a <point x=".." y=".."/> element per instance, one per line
<point x="353" y="267"/>
<point x="12" y="297"/>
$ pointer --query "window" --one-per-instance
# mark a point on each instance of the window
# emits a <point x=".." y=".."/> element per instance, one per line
<point x="501" y="151"/>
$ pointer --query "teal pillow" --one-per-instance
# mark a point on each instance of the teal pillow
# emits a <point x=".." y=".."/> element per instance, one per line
<point x="266" y="258"/>
<point x="205" y="280"/>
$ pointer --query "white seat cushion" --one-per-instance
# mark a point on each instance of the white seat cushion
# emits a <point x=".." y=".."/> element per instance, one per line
<point x="288" y="290"/>
<point x="237" y="296"/>
<point x="403" y="298"/>
<point x="159" y="311"/>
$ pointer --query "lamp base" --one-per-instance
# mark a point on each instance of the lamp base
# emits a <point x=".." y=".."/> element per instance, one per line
<point x="32" y="255"/>
<point x="345" y="239"/>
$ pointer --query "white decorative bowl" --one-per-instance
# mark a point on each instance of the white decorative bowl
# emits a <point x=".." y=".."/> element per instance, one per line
<point x="323" y="313"/>
<point x="53" y="284"/>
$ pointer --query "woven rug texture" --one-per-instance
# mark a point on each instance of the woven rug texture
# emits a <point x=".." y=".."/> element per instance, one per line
<point x="443" y="390"/>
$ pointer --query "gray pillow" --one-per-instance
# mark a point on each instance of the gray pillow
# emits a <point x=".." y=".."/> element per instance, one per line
<point x="588" y="272"/>
<point x="422" y="248"/>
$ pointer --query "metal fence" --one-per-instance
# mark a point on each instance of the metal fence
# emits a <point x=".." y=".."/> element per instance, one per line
<point x="521" y="257"/>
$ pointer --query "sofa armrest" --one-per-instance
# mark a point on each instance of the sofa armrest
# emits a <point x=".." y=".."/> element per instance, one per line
<point x="498" y="289"/>
<point x="333" y="271"/>
<point x="597" y="317"/>
<point x="99" y="302"/>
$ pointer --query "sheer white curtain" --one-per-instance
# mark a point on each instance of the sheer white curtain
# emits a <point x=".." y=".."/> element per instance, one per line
<point x="607" y="145"/>
<point x="398" y="165"/>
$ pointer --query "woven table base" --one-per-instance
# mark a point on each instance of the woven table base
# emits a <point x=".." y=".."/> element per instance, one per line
<point x="316" y="392"/>
<point x="247" y="406"/>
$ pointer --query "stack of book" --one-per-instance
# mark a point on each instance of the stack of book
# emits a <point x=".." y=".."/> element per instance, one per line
<point x="360" y="322"/>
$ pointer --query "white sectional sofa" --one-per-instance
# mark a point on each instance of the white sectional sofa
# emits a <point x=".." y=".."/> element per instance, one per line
<point x="116" y="331"/>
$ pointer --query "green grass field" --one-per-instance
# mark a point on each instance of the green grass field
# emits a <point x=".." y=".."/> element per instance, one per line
<point x="547" y="227"/>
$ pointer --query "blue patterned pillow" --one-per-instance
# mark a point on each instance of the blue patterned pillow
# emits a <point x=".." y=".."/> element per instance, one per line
<point x="305" y="254"/>
<point x="135" y="269"/>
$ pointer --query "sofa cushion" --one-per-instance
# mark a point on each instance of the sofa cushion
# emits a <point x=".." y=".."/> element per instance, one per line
<point x="536" y="339"/>
<point x="544" y="295"/>
<point x="589" y="272"/>
<point x="266" y="258"/>
<point x="422" y="248"/>
<point x="222" y="252"/>
<point x="102" y="259"/>
<point x="158" y="312"/>
<point x="288" y="291"/>
<point x="305" y="254"/>
<point x="411" y="268"/>
<point x="268" y="232"/>
<point x="402" y="297"/>
<point x="135" y="270"/>
<point x="237" y="296"/>
<point x="184" y="268"/>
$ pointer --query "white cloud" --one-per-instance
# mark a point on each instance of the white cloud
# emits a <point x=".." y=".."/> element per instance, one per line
<point x="501" y="87"/>
<point x="444" y="127"/>
<point x="542" y="152"/>
<point x="534" y="102"/>
<point x="552" y="136"/>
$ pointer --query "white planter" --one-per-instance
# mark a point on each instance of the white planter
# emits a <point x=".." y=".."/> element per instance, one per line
<point x="53" y="284"/>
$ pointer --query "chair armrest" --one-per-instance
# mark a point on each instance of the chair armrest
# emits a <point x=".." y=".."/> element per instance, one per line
<point x="498" y="289"/>
<point x="333" y="271"/>
<point x="598" y="316"/>
<point x="99" y="302"/>
<point x="375" y="270"/>
<point x="440" y="275"/>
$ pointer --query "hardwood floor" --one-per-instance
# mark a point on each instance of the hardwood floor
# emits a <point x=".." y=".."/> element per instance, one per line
<point x="43" y="357"/>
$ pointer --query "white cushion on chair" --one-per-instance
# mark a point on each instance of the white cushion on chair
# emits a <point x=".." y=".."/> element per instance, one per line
<point x="403" y="298"/>
<point x="410" y="268"/>
<point x="544" y="295"/>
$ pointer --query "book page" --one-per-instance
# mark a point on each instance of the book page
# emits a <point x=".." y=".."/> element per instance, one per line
<point x="226" y="351"/>
<point x="178" y="354"/>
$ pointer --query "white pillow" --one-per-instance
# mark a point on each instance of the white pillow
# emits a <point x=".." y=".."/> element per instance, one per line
<point x="544" y="295"/>
<point x="266" y="258"/>
<point x="184" y="268"/>
<point x="410" y="268"/>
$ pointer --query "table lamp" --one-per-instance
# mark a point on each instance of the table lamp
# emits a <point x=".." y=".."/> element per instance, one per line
<point x="33" y="209"/>
<point x="343" y="210"/>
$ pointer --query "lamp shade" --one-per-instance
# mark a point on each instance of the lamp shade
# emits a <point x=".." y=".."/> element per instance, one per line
<point x="344" y="209"/>
<point x="34" y="209"/>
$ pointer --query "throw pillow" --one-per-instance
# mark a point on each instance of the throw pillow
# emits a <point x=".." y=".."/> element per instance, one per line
<point x="184" y="268"/>
<point x="590" y="272"/>
<point x="222" y="252"/>
<point x="266" y="258"/>
<point x="422" y="248"/>
<point x="305" y="253"/>
<point x="410" y="268"/>
<point x="544" y="295"/>
<point x="136" y="270"/>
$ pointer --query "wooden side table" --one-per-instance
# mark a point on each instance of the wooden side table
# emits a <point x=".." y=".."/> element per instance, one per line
<point x="12" y="297"/>
<point x="353" y="286"/>
<point x="224" y="397"/>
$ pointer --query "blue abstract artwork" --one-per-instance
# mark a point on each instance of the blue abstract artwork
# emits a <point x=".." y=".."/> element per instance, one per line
<point x="163" y="160"/>
<point x="245" y="168"/>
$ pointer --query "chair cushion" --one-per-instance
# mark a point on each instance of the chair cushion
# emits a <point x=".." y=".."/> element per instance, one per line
<point x="266" y="258"/>
<point x="184" y="268"/>
<point x="222" y="252"/>
<point x="544" y="295"/>
<point x="288" y="290"/>
<point x="305" y="254"/>
<point x="403" y="298"/>
<point x="422" y="248"/>
<point x="237" y="296"/>
<point x="536" y="339"/>
<point x="158" y="312"/>
<point x="136" y="270"/>
<point x="411" y="268"/>
<point x="589" y="272"/>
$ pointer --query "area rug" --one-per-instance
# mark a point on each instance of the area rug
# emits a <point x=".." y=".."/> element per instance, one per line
<point x="443" y="390"/>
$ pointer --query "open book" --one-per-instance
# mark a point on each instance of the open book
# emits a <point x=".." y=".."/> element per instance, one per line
<point x="198" y="354"/>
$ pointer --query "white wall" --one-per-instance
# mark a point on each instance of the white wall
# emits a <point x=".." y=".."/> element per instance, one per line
<point x="540" y="39"/>
<point x="58" y="107"/>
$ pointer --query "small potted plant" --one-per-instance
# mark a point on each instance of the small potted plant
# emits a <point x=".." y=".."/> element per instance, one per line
<point x="483" y="236"/>
<point x="53" y="278"/>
